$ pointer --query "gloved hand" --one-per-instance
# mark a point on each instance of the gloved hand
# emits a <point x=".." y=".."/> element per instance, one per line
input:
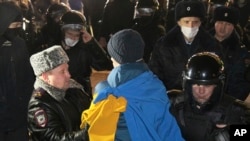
<point x="221" y="133"/>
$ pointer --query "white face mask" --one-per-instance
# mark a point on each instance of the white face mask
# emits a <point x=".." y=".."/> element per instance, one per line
<point x="189" y="32"/>
<point x="69" y="42"/>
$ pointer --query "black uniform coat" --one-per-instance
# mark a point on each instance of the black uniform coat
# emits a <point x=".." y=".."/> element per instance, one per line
<point x="16" y="75"/>
<point x="171" y="54"/>
<point x="83" y="57"/>
<point x="234" y="55"/>
<point x="200" y="125"/>
<point x="54" y="114"/>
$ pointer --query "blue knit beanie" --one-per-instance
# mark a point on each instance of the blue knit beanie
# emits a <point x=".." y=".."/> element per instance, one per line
<point x="126" y="46"/>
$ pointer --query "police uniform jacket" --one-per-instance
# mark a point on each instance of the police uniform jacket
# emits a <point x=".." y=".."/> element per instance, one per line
<point x="54" y="114"/>
<point x="200" y="125"/>
<point x="82" y="58"/>
<point x="171" y="53"/>
<point x="235" y="54"/>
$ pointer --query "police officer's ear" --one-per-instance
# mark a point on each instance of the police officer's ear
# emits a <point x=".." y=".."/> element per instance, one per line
<point x="44" y="77"/>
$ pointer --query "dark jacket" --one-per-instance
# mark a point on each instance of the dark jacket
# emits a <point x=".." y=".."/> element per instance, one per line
<point x="49" y="35"/>
<point x="234" y="55"/>
<point x="16" y="75"/>
<point x="171" y="54"/>
<point x="52" y="116"/>
<point x="84" y="57"/>
<point x="150" y="34"/>
<point x="201" y="126"/>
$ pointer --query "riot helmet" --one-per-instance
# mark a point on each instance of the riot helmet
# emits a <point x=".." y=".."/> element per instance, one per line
<point x="204" y="68"/>
<point x="55" y="12"/>
<point x="73" y="20"/>
<point x="146" y="11"/>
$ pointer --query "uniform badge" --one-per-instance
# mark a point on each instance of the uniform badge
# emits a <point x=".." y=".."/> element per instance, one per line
<point x="41" y="118"/>
<point x="38" y="94"/>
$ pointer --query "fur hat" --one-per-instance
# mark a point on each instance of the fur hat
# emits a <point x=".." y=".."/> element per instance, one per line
<point x="48" y="59"/>
<point x="190" y="9"/>
<point x="126" y="46"/>
<point x="228" y="14"/>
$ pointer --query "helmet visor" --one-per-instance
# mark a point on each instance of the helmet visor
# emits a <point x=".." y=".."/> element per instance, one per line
<point x="140" y="12"/>
<point x="76" y="27"/>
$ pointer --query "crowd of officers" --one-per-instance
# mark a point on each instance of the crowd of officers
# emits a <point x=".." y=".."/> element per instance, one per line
<point x="172" y="30"/>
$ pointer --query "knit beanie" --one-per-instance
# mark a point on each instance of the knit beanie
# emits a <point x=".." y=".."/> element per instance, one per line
<point x="48" y="59"/>
<point x="126" y="46"/>
<point x="228" y="14"/>
<point x="190" y="9"/>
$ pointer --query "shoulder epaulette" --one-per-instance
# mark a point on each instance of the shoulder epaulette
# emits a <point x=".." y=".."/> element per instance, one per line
<point x="38" y="93"/>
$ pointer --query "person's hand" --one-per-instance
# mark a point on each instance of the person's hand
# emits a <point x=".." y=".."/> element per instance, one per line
<point x="103" y="42"/>
<point x="247" y="62"/>
<point x="221" y="125"/>
<point x="86" y="37"/>
<point x="221" y="133"/>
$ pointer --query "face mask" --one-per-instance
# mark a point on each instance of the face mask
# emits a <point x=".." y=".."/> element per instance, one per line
<point x="69" y="42"/>
<point x="189" y="32"/>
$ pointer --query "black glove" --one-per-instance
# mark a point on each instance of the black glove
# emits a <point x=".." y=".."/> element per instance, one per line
<point x="221" y="134"/>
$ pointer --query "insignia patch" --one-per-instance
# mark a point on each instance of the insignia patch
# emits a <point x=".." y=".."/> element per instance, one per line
<point x="38" y="94"/>
<point x="41" y="118"/>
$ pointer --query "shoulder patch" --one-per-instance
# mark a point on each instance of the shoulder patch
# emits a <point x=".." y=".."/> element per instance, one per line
<point x="41" y="118"/>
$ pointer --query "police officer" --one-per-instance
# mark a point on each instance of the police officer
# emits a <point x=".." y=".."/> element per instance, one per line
<point x="148" y="24"/>
<point x="54" y="111"/>
<point x="203" y="111"/>
<point x="82" y="49"/>
<point x="16" y="76"/>
<point x="50" y="33"/>
<point x="234" y="52"/>
<point x="188" y="37"/>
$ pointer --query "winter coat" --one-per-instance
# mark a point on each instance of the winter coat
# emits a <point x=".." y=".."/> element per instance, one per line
<point x="53" y="116"/>
<point x="201" y="125"/>
<point x="16" y="75"/>
<point x="85" y="57"/>
<point x="171" y="54"/>
<point x="234" y="55"/>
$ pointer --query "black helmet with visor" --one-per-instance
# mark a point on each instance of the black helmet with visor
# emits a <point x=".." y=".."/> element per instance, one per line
<point x="204" y="68"/>
<point x="73" y="20"/>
